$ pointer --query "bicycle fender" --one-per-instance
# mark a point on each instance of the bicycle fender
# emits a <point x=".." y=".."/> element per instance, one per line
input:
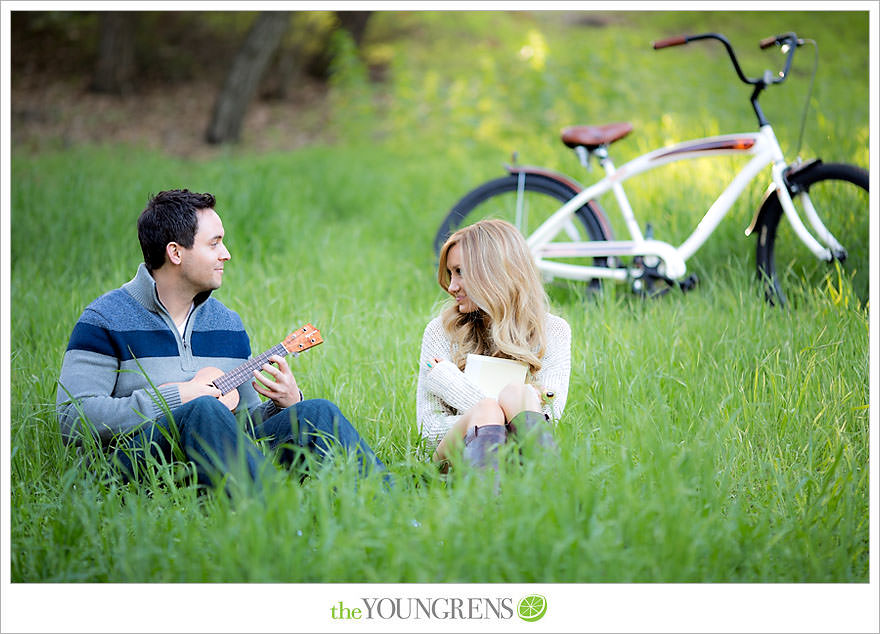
<point x="770" y="195"/>
<point x="573" y="185"/>
<point x="540" y="171"/>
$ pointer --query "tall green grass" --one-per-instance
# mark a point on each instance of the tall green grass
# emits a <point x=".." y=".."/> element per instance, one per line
<point x="708" y="437"/>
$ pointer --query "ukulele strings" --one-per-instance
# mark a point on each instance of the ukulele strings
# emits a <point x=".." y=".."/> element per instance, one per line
<point x="239" y="375"/>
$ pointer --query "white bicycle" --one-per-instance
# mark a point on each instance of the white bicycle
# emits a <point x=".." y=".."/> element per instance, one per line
<point x="564" y="223"/>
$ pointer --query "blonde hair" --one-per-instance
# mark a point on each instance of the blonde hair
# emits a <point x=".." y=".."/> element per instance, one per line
<point x="501" y="278"/>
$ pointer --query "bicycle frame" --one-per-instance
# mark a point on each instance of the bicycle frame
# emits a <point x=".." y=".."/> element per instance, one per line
<point x="762" y="145"/>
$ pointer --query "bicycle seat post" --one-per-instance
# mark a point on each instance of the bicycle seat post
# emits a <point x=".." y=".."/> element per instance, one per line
<point x="601" y="155"/>
<point x="583" y="156"/>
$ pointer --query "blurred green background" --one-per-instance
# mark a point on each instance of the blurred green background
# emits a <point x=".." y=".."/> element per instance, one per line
<point x="708" y="437"/>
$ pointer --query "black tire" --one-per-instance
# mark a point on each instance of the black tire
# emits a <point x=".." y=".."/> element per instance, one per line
<point x="542" y="195"/>
<point x="839" y="193"/>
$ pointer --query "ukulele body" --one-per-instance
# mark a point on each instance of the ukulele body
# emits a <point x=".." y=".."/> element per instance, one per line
<point x="206" y="376"/>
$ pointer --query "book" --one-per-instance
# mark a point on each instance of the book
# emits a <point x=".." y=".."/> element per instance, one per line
<point x="491" y="374"/>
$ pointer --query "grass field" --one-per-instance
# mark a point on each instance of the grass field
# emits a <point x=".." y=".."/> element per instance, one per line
<point x="708" y="437"/>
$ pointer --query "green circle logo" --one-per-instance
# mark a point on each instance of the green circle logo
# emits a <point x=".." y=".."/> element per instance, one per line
<point x="532" y="608"/>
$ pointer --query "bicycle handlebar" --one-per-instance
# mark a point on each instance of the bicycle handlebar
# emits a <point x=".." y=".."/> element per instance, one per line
<point x="786" y="39"/>
<point x="678" y="40"/>
<point x="767" y="42"/>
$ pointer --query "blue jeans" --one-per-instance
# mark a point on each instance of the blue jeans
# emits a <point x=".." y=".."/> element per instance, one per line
<point x="208" y="435"/>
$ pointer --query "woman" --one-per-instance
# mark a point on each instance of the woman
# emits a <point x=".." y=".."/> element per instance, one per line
<point x="499" y="310"/>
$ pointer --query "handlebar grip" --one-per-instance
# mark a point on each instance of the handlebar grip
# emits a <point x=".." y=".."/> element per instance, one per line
<point x="678" y="40"/>
<point x="767" y="42"/>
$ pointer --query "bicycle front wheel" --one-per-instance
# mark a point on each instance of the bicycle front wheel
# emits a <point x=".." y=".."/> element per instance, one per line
<point x="839" y="194"/>
<point x="525" y="201"/>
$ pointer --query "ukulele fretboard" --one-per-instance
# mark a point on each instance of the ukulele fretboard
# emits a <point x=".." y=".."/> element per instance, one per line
<point x="242" y="373"/>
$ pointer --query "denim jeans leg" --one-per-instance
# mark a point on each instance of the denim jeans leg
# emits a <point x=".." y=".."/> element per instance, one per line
<point x="131" y="450"/>
<point x="209" y="436"/>
<point x="317" y="425"/>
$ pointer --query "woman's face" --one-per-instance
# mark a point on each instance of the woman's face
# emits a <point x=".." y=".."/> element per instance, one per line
<point x="456" y="284"/>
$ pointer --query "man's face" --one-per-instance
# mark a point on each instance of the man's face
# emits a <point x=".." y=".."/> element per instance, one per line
<point x="202" y="264"/>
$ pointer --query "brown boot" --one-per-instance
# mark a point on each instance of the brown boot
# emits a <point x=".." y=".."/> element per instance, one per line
<point x="530" y="426"/>
<point x="481" y="445"/>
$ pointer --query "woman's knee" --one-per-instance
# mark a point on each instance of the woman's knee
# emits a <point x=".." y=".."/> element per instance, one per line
<point x="487" y="412"/>
<point x="517" y="397"/>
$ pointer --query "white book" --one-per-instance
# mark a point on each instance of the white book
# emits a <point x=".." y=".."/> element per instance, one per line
<point x="491" y="374"/>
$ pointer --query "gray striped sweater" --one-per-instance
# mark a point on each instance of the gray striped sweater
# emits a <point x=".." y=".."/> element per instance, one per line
<point x="125" y="345"/>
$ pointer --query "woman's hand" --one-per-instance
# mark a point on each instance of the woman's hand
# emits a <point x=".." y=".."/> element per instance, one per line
<point x="546" y="395"/>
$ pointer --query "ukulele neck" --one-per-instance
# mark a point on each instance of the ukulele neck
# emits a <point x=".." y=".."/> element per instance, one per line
<point x="242" y="373"/>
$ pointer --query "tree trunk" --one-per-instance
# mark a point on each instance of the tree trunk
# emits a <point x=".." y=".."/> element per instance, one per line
<point x="355" y="22"/>
<point x="244" y="77"/>
<point x="115" y="68"/>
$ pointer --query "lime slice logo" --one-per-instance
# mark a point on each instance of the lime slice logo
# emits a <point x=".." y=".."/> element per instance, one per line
<point x="532" y="608"/>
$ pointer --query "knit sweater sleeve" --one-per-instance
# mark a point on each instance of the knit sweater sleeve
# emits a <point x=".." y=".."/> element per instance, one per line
<point x="443" y="393"/>
<point x="555" y="370"/>
<point x="89" y="373"/>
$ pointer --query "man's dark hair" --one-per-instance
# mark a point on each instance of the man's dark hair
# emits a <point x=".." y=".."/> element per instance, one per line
<point x="170" y="216"/>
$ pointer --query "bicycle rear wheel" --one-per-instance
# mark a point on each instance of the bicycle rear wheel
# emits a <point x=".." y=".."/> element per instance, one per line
<point x="526" y="204"/>
<point x="839" y="193"/>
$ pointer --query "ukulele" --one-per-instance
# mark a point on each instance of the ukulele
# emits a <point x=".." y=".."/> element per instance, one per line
<point x="298" y="341"/>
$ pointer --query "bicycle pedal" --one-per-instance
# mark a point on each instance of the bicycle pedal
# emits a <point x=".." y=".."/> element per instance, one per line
<point x="688" y="283"/>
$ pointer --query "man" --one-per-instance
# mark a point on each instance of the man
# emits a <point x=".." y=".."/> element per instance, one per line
<point x="128" y="369"/>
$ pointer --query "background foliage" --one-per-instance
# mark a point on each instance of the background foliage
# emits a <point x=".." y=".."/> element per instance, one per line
<point x="708" y="437"/>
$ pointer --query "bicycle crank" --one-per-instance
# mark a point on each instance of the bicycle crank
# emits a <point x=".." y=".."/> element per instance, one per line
<point x="652" y="283"/>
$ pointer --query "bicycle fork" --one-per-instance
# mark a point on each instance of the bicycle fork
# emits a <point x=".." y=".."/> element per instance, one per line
<point x="834" y="250"/>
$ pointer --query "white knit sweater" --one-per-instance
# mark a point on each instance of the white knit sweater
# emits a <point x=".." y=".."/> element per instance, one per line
<point x="444" y="393"/>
